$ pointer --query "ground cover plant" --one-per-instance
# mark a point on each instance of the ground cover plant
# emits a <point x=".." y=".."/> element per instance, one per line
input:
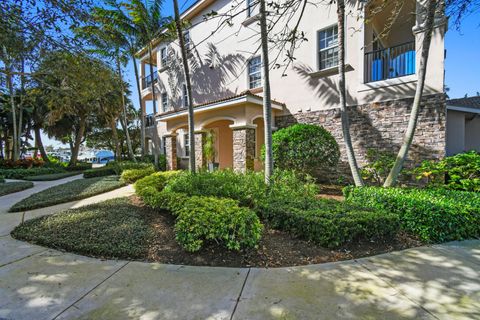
<point x="70" y="191"/>
<point x="11" y="187"/>
<point x="433" y="215"/>
<point x="53" y="176"/>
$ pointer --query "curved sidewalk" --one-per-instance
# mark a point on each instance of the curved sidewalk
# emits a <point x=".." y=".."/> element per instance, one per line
<point x="437" y="282"/>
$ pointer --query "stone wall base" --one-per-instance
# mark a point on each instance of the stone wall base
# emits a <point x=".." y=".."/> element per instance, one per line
<point x="381" y="126"/>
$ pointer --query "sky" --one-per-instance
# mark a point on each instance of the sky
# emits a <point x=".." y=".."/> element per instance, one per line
<point x="462" y="63"/>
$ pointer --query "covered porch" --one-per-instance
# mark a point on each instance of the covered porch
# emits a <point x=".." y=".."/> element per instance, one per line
<point x="233" y="127"/>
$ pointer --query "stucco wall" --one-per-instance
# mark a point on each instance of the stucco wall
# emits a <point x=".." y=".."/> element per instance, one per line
<point x="455" y="132"/>
<point x="472" y="132"/>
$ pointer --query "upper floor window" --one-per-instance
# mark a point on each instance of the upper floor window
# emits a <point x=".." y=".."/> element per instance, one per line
<point x="187" y="144"/>
<point x="164" y="100"/>
<point x="184" y="96"/>
<point x="255" y="72"/>
<point x="163" y="56"/>
<point x="186" y="39"/>
<point x="252" y="8"/>
<point x="328" y="47"/>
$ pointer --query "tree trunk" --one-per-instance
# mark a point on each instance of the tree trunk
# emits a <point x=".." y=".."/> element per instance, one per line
<point x="142" y="112"/>
<point x="156" y="139"/>
<point x="412" y="122"/>
<point x="20" y="107"/>
<point x="267" y="101"/>
<point x="186" y="71"/>
<point x="39" y="142"/>
<point x="113" y="127"/>
<point x="78" y="141"/>
<point x="131" y="156"/>
<point x="352" y="161"/>
<point x="14" y="114"/>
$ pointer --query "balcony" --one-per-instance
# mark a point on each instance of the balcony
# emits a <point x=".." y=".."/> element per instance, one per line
<point x="147" y="81"/>
<point x="149" y="120"/>
<point x="389" y="63"/>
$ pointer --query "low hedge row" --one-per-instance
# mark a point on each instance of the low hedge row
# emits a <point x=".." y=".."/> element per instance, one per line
<point x="201" y="219"/>
<point x="53" y="176"/>
<point x="434" y="215"/>
<point x="115" y="168"/>
<point x="22" y="173"/>
<point x="99" y="172"/>
<point x="11" y="187"/>
<point x="132" y="175"/>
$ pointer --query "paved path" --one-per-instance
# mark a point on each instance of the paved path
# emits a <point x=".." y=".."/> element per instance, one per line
<point x="437" y="282"/>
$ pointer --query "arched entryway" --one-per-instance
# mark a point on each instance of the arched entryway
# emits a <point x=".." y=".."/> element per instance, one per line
<point x="223" y="136"/>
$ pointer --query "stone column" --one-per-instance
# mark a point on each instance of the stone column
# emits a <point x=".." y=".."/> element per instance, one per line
<point x="243" y="147"/>
<point x="171" y="149"/>
<point x="200" y="161"/>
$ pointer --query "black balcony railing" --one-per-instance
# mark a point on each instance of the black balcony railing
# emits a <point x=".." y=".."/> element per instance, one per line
<point x="394" y="62"/>
<point x="150" y="120"/>
<point x="147" y="80"/>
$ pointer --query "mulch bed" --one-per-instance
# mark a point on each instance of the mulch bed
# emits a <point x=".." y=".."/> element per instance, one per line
<point x="276" y="249"/>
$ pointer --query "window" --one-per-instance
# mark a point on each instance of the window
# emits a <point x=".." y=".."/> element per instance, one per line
<point x="185" y="96"/>
<point x="164" y="142"/>
<point x="186" y="39"/>
<point x="255" y="143"/>
<point x="254" y="73"/>
<point x="187" y="144"/>
<point x="163" y="56"/>
<point x="328" y="48"/>
<point x="164" y="100"/>
<point x="252" y="8"/>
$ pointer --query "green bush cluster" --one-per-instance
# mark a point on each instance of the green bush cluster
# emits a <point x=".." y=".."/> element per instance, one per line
<point x="434" y="215"/>
<point x="52" y="176"/>
<point x="22" y="173"/>
<point x="459" y="172"/>
<point x="11" y="187"/>
<point x="378" y="167"/>
<point x="132" y="175"/>
<point x="115" y="168"/>
<point x="306" y="148"/>
<point x="99" y="172"/>
<point x="2" y="179"/>
<point x="201" y="218"/>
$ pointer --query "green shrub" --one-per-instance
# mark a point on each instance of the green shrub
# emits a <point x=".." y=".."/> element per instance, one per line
<point x="132" y="175"/>
<point x="155" y="181"/>
<point x="202" y="219"/>
<point x="100" y="172"/>
<point x="378" y="167"/>
<point x="434" y="215"/>
<point x="11" y="187"/>
<point x="53" y="176"/>
<point x="459" y="172"/>
<point x="2" y="179"/>
<point x="304" y="147"/>
<point x="115" y="168"/>
<point x="80" y="166"/>
<point x="22" y="173"/>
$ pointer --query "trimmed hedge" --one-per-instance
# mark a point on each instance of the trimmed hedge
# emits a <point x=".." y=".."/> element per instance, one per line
<point x="434" y="215"/>
<point x="70" y="191"/>
<point x="11" y="187"/>
<point x="53" y="176"/>
<point x="115" y="168"/>
<point x="132" y="175"/>
<point x="99" y="172"/>
<point x="22" y="173"/>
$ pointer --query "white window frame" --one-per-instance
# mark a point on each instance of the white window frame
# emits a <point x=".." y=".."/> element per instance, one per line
<point x="249" y="81"/>
<point x="185" y="102"/>
<point x="186" y="143"/>
<point x="164" y="60"/>
<point x="320" y="50"/>
<point x="164" y="101"/>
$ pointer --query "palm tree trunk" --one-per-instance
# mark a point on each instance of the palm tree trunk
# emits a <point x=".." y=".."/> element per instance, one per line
<point x="352" y="161"/>
<point x="412" y="122"/>
<point x="142" y="112"/>
<point x="124" y="106"/>
<point x="14" y="115"/>
<point x="113" y="127"/>
<point x="39" y="142"/>
<point x="186" y="71"/>
<point x="20" y="107"/>
<point x="156" y="139"/>
<point x="267" y="101"/>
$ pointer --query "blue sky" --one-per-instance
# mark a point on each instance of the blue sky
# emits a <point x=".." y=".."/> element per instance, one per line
<point x="462" y="65"/>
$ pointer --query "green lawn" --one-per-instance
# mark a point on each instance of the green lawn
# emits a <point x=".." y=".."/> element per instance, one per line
<point x="53" y="176"/>
<point x="114" y="228"/>
<point x="11" y="187"/>
<point x="70" y="191"/>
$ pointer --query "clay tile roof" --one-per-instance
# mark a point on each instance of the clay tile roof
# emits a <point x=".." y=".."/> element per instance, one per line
<point x="471" y="102"/>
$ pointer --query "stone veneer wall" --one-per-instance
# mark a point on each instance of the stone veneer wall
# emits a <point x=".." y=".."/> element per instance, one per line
<point x="381" y="126"/>
<point x="243" y="149"/>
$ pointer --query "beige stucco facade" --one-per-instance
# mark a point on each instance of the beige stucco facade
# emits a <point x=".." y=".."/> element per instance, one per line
<point x="219" y="58"/>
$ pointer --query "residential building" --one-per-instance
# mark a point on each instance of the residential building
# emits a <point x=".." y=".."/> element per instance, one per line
<point x="382" y="59"/>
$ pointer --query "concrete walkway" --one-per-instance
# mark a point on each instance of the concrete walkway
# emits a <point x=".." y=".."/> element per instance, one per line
<point x="437" y="282"/>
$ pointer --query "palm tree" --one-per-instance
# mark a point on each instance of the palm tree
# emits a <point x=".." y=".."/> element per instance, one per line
<point x="146" y="21"/>
<point x="352" y="161"/>
<point x="412" y="122"/>
<point x="186" y="71"/>
<point x="267" y="101"/>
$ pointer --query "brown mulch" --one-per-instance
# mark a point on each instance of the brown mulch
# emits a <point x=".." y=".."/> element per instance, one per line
<point x="276" y="248"/>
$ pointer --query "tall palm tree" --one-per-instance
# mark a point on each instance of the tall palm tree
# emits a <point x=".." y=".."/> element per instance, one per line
<point x="412" y="122"/>
<point x="352" y="161"/>
<point x="267" y="100"/>
<point x="186" y="71"/>
<point x="147" y="22"/>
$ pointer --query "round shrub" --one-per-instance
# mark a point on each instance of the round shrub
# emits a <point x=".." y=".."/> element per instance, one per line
<point x="132" y="175"/>
<point x="304" y="147"/>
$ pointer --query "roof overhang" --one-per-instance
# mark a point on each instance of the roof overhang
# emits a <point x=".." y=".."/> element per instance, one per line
<point x="463" y="109"/>
<point x="243" y="99"/>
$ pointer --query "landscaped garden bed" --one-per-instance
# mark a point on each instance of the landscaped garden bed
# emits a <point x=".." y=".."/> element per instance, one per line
<point x="70" y="191"/>
<point x="126" y="228"/>
<point x="11" y="187"/>
<point x="52" y="176"/>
